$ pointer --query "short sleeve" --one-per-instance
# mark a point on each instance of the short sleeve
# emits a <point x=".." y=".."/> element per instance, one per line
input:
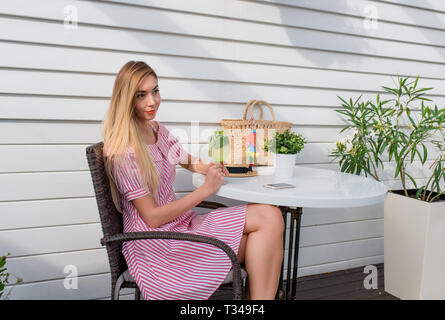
<point x="128" y="178"/>
<point x="175" y="151"/>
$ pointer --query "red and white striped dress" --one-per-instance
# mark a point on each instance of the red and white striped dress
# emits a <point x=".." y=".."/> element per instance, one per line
<point x="172" y="269"/>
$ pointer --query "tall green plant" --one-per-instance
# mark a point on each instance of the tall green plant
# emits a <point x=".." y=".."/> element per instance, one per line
<point x="399" y="126"/>
<point x="361" y="151"/>
<point x="438" y="175"/>
<point x="5" y="277"/>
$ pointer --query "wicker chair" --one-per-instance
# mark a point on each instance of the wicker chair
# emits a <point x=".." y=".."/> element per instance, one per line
<point x="112" y="228"/>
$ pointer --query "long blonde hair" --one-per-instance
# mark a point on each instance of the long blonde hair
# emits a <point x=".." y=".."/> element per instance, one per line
<point x="121" y="132"/>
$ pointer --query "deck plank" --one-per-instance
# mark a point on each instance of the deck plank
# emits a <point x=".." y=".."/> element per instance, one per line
<point x="338" y="285"/>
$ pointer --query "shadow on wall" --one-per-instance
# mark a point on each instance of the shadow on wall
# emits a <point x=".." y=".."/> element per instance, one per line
<point x="345" y="42"/>
<point x="323" y="34"/>
<point x="186" y="47"/>
<point x="344" y="30"/>
<point x="436" y="20"/>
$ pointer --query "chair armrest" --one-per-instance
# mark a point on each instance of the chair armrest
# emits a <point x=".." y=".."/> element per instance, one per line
<point x="130" y="236"/>
<point x="210" y="205"/>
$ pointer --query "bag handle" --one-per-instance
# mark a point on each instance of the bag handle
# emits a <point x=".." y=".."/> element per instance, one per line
<point x="246" y="108"/>
<point x="253" y="104"/>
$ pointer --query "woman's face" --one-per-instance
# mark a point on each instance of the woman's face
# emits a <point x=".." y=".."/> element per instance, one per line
<point x="147" y="99"/>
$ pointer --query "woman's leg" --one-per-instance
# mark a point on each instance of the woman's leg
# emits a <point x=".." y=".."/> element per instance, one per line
<point x="261" y="249"/>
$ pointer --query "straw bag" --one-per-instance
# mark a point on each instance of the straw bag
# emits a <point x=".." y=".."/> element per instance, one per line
<point x="242" y="131"/>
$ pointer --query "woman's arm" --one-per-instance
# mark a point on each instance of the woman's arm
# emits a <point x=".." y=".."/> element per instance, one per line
<point x="155" y="216"/>
<point x="194" y="165"/>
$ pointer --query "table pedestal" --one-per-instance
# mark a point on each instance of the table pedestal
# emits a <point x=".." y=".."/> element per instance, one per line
<point x="292" y="255"/>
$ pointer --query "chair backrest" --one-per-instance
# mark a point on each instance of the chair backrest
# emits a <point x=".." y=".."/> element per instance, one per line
<point x="110" y="218"/>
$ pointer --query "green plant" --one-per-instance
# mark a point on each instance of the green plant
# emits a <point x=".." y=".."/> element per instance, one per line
<point x="398" y="128"/>
<point x="285" y="143"/>
<point x="4" y="276"/>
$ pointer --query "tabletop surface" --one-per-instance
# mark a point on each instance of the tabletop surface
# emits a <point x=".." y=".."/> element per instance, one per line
<point x="314" y="187"/>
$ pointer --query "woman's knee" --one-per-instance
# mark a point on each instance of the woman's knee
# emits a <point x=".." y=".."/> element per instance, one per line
<point x="261" y="216"/>
<point x="276" y="217"/>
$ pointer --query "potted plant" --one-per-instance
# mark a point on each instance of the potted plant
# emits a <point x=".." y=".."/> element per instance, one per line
<point x="284" y="147"/>
<point x="400" y="130"/>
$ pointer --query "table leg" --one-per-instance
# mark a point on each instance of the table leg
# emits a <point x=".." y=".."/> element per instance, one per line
<point x="293" y="250"/>
<point x="297" y="217"/>
<point x="280" y="292"/>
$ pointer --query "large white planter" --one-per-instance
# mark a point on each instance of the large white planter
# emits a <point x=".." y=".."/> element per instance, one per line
<point x="284" y="164"/>
<point x="414" y="248"/>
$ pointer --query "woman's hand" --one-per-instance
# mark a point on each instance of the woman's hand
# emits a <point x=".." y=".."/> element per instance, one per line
<point x="224" y="169"/>
<point x="214" y="177"/>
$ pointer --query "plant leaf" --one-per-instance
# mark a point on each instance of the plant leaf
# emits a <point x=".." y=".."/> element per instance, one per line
<point x="419" y="192"/>
<point x="425" y="153"/>
<point x="412" y="180"/>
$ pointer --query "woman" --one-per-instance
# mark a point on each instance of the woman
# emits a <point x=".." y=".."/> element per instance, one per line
<point x="141" y="157"/>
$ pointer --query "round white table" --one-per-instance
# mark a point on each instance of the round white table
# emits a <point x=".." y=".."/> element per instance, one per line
<point x="314" y="188"/>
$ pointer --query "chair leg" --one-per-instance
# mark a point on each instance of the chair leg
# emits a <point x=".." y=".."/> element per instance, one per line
<point x="117" y="288"/>
<point x="137" y="294"/>
<point x="113" y="289"/>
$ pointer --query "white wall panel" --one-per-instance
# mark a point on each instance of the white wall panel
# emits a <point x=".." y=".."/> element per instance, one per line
<point x="88" y="287"/>
<point x="189" y="68"/>
<point x="98" y="86"/>
<point x="51" y="239"/>
<point x="97" y="13"/>
<point x="41" y="56"/>
<point x="203" y="47"/>
<point x="43" y="213"/>
<point x="41" y="267"/>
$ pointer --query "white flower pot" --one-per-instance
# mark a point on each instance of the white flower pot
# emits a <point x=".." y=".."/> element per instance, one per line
<point x="284" y="165"/>
<point x="414" y="248"/>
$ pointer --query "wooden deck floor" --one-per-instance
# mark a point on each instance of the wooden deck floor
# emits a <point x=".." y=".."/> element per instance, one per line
<point x="339" y="285"/>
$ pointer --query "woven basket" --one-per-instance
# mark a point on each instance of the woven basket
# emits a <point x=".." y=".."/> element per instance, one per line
<point x="238" y="129"/>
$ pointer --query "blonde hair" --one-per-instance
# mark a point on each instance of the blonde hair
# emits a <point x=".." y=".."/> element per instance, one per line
<point x="121" y="132"/>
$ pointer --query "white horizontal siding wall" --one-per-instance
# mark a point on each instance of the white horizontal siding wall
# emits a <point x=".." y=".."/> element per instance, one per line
<point x="211" y="57"/>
